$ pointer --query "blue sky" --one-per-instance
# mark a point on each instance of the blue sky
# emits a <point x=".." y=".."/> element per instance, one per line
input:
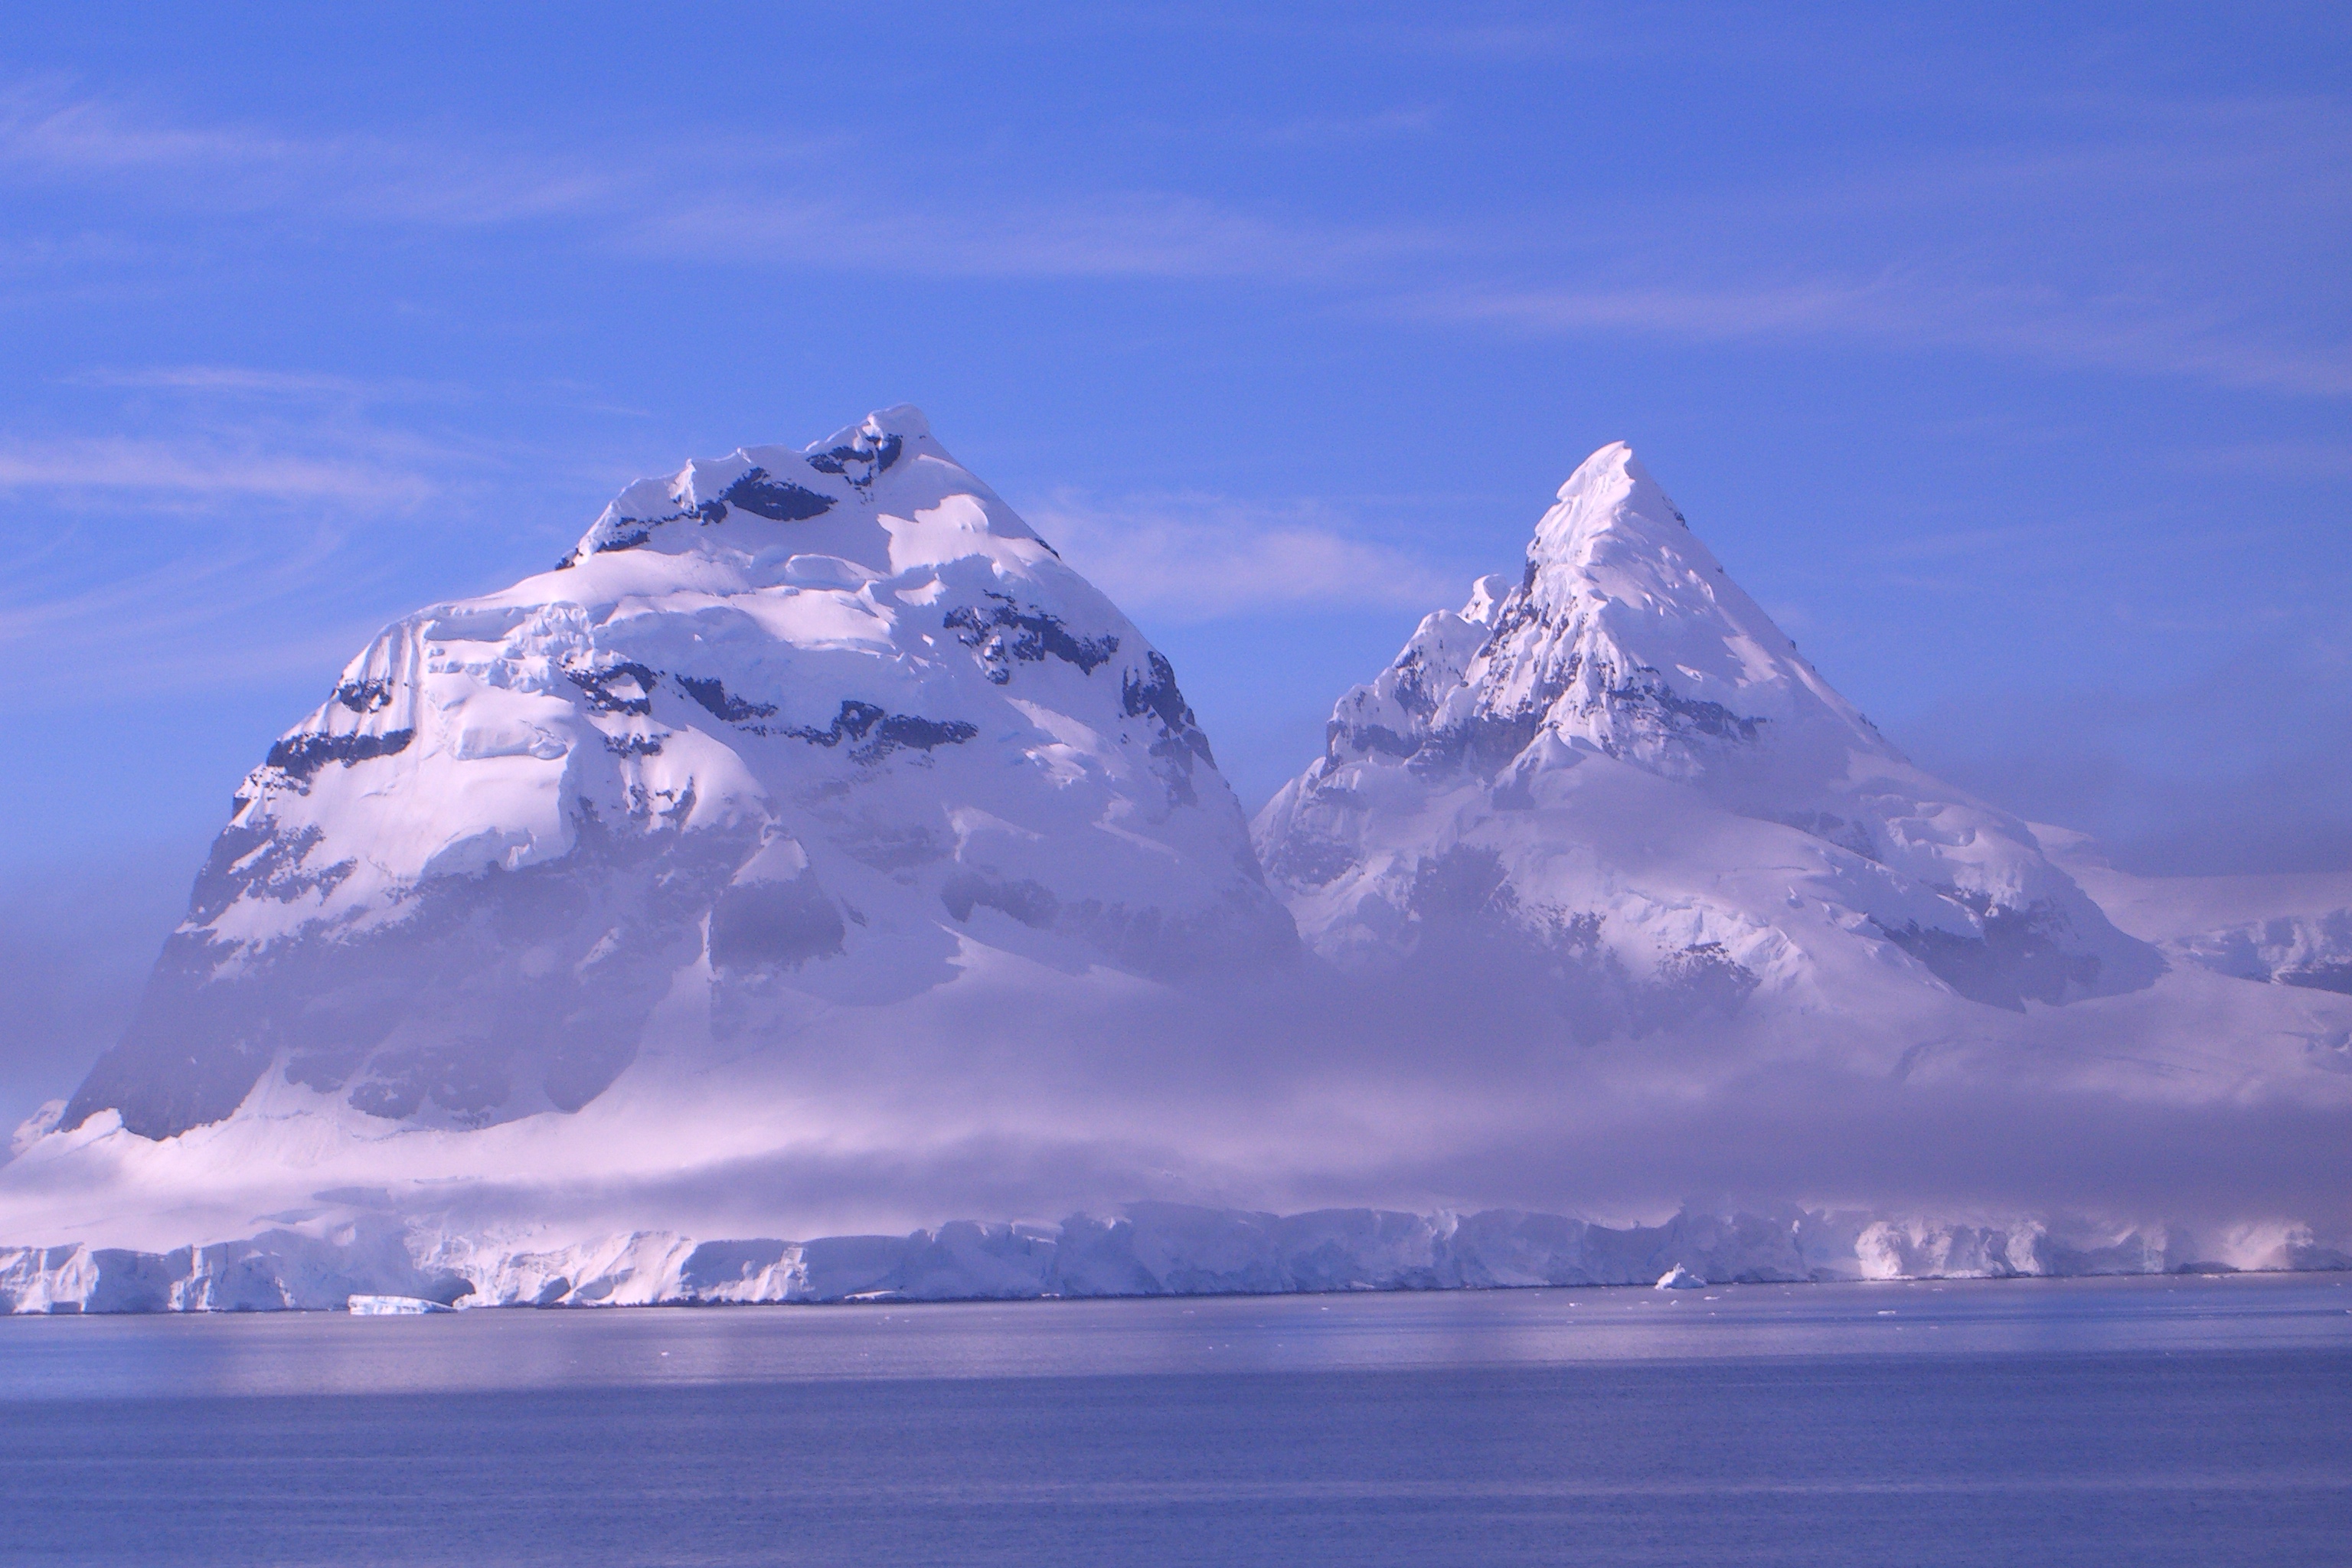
<point x="2006" y="357"/>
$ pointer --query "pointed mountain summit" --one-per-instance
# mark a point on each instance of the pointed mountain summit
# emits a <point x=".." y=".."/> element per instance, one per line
<point x="1621" y="769"/>
<point x="813" y="854"/>
<point x="1627" y="633"/>
<point x="794" y="728"/>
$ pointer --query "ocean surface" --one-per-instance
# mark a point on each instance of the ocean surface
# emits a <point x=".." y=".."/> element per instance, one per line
<point x="2203" y="1421"/>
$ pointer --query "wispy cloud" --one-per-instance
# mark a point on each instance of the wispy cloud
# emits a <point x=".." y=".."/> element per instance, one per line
<point x="1199" y="557"/>
<point x="1940" y="544"/>
<point x="1909" y="312"/>
<point x="50" y="134"/>
<point x="198" y="613"/>
<point x="1115" y="234"/>
<point x="165" y="602"/>
<point x="742" y="204"/>
<point x="243" y="543"/>
<point x="44" y="125"/>
<point x="200" y="468"/>
<point x="2075" y="253"/>
<point x="247" y="381"/>
<point x="2272" y="460"/>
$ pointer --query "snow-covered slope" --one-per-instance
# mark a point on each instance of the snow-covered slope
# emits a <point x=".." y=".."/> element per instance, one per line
<point x="791" y="726"/>
<point x="1619" y="770"/>
<point x="815" y="854"/>
<point x="2283" y="928"/>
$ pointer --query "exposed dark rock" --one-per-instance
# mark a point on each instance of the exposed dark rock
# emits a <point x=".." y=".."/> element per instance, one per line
<point x="777" y="501"/>
<point x="713" y="695"/>
<point x="301" y="756"/>
<point x="1309" y="860"/>
<point x="459" y="1077"/>
<point x="1412" y="688"/>
<point x="1003" y="630"/>
<point x="2017" y="960"/>
<point x="364" y="696"/>
<point x="629" y="541"/>
<point x="1701" y="977"/>
<point x="2309" y="951"/>
<point x="2319" y="977"/>
<point x="859" y="460"/>
<point x="707" y="511"/>
<point x="1467" y="882"/>
<point x="1029" y="902"/>
<point x="765" y="925"/>
<point x="1154" y="693"/>
<point x="874" y="732"/>
<point x="1640" y="702"/>
<point x="259" y="860"/>
<point x="617" y="688"/>
<point x="1667" y="712"/>
<point x="1342" y="740"/>
<point x="1642" y="706"/>
<point x="1577" y="931"/>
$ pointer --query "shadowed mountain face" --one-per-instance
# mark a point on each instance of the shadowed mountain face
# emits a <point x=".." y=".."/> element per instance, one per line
<point x="1617" y="776"/>
<point x="793" y="727"/>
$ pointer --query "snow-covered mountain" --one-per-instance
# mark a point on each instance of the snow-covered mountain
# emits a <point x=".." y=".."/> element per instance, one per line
<point x="2279" y="928"/>
<point x="789" y="727"/>
<point x="1620" y="772"/>
<point x="813" y="852"/>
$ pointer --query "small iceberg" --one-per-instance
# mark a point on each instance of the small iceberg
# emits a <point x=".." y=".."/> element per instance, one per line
<point x="1676" y="1278"/>
<point x="395" y="1306"/>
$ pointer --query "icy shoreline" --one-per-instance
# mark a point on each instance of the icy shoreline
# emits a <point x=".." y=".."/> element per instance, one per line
<point x="1152" y="1249"/>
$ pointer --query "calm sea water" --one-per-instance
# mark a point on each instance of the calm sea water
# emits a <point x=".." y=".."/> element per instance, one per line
<point x="2139" y="1422"/>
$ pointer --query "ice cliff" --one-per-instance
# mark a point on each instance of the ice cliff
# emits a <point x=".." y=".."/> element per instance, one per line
<point x="1150" y="1249"/>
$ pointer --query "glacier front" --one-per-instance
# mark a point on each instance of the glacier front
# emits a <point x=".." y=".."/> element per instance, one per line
<point x="813" y="852"/>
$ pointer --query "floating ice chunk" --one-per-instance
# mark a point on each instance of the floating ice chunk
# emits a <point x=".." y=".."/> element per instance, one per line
<point x="395" y="1306"/>
<point x="1679" y="1279"/>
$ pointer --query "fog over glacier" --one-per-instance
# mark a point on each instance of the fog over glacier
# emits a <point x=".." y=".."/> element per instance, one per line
<point x="2010" y="402"/>
<point x="814" y="853"/>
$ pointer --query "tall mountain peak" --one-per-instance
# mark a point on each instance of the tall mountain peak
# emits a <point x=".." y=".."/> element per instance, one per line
<point x="1623" y="634"/>
<point x="1608" y="490"/>
<point x="848" y="484"/>
<point x="816" y="854"/>
<point x="801" y="727"/>
<point x="1499" y="772"/>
